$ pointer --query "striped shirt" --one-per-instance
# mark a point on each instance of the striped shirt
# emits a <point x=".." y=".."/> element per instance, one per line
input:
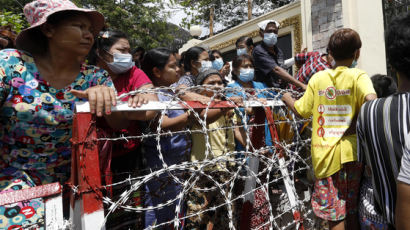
<point x="404" y="175"/>
<point x="382" y="127"/>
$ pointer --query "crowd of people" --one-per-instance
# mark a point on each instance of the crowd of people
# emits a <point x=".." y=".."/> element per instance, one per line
<point x="360" y="144"/>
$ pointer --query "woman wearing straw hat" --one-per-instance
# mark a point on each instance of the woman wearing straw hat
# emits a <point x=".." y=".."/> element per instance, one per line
<point x="39" y="84"/>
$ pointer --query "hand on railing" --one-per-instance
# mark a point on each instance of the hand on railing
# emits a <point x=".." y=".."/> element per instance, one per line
<point x="100" y="97"/>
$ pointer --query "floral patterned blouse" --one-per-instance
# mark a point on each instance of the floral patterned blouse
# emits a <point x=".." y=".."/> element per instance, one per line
<point x="36" y="118"/>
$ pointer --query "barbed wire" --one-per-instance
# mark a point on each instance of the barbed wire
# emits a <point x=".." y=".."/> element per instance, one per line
<point x="279" y="165"/>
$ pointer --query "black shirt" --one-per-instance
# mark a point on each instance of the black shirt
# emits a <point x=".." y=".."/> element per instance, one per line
<point x="264" y="64"/>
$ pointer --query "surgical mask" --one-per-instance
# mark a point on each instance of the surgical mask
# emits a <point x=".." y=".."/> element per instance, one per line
<point x="246" y="75"/>
<point x="121" y="64"/>
<point x="270" y="39"/>
<point x="218" y="64"/>
<point x="205" y="65"/>
<point x="333" y="63"/>
<point x="354" y="64"/>
<point x="239" y="52"/>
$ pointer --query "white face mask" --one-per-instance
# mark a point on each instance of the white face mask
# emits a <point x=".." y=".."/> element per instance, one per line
<point x="333" y="63"/>
<point x="205" y="65"/>
<point x="121" y="64"/>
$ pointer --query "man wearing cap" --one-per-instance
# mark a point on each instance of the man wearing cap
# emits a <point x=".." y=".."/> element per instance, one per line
<point x="269" y="58"/>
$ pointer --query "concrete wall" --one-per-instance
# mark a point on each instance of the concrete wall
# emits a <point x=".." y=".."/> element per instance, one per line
<point x="366" y="17"/>
<point x="320" y="18"/>
<point x="311" y="22"/>
<point x="326" y="17"/>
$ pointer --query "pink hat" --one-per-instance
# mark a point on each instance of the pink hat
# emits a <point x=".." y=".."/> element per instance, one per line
<point x="37" y="13"/>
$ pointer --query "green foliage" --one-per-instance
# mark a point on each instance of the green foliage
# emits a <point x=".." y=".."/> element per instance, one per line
<point x="143" y="20"/>
<point x="11" y="13"/>
<point x="192" y="7"/>
<point x="16" y="21"/>
<point x="15" y="6"/>
<point x="227" y="13"/>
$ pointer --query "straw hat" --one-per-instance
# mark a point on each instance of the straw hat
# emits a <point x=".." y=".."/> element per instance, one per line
<point x="37" y="13"/>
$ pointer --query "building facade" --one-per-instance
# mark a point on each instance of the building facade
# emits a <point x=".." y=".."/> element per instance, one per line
<point x="309" y="24"/>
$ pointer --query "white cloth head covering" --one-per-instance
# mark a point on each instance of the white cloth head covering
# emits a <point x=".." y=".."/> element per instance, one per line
<point x="262" y="25"/>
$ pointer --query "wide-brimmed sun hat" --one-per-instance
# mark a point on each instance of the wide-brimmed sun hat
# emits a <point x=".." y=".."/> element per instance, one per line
<point x="37" y="13"/>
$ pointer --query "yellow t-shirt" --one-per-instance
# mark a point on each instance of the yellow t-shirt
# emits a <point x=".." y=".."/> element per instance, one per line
<point x="221" y="141"/>
<point x="334" y="98"/>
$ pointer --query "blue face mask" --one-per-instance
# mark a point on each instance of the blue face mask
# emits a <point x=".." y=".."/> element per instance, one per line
<point x="218" y="64"/>
<point x="354" y="64"/>
<point x="239" y="52"/>
<point x="246" y="75"/>
<point x="270" y="39"/>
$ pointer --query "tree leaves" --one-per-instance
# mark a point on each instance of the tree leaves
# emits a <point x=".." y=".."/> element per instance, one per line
<point x="16" y="21"/>
<point x="11" y="13"/>
<point x="228" y="13"/>
<point x="144" y="21"/>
